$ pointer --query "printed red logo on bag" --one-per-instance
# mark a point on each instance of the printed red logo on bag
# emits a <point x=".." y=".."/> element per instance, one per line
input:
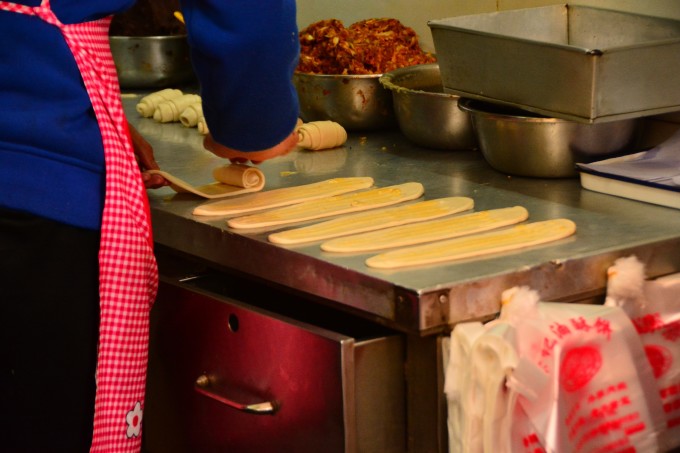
<point x="579" y="366"/>
<point x="660" y="359"/>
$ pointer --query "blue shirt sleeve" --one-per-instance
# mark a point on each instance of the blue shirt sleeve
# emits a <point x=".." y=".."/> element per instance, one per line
<point x="244" y="53"/>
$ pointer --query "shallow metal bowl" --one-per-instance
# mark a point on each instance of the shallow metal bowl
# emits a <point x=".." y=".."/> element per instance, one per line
<point x="426" y="115"/>
<point x="357" y="102"/>
<point x="526" y="144"/>
<point x="152" y="61"/>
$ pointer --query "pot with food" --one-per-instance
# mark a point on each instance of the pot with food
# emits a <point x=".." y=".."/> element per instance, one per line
<point x="149" y="46"/>
<point x="338" y="76"/>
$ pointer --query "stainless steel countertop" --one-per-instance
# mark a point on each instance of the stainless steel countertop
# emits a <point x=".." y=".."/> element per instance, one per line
<point x="425" y="299"/>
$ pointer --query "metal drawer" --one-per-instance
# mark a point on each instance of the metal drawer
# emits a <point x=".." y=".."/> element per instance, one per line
<point x="327" y="391"/>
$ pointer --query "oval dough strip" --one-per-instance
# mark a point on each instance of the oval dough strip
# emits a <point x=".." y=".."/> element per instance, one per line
<point x="283" y="197"/>
<point x="234" y="179"/>
<point x="326" y="207"/>
<point x="373" y="220"/>
<point x="428" y="231"/>
<point x="519" y="236"/>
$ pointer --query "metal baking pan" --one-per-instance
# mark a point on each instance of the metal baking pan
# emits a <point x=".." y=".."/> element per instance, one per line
<point x="565" y="61"/>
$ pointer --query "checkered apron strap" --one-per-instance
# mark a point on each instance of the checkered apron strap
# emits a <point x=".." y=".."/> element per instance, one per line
<point x="127" y="268"/>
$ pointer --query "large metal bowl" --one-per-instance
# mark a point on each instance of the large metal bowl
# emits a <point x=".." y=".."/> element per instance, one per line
<point x="152" y="61"/>
<point x="426" y="115"/>
<point x="526" y="144"/>
<point x="357" y="102"/>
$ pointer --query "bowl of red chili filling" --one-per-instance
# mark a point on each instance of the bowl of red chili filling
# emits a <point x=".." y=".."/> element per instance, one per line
<point x="338" y="75"/>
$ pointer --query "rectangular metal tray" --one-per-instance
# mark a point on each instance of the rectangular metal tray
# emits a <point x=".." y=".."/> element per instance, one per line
<point x="565" y="61"/>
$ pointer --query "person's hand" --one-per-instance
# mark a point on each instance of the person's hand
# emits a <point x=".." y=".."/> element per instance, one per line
<point x="146" y="160"/>
<point x="256" y="157"/>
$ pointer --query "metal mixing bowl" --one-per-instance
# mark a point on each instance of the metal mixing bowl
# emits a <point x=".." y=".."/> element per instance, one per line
<point x="426" y="115"/>
<point x="526" y="144"/>
<point x="357" y="102"/>
<point x="152" y="61"/>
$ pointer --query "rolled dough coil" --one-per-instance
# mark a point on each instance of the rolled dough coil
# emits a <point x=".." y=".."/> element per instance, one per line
<point x="373" y="220"/>
<point x="234" y="179"/>
<point x="329" y="206"/>
<point x="318" y="135"/>
<point x="428" y="231"/>
<point x="170" y="110"/>
<point x="147" y="105"/>
<point x="191" y="115"/>
<point x="517" y="237"/>
<point x="202" y="126"/>
<point x="282" y="197"/>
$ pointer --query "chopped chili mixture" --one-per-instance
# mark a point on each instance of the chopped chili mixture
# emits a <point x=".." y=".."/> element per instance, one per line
<point x="371" y="46"/>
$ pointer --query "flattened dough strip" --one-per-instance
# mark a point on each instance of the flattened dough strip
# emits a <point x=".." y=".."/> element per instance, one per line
<point x="514" y="238"/>
<point x="329" y="206"/>
<point x="373" y="220"/>
<point x="283" y="197"/>
<point x="232" y="180"/>
<point x="429" y="231"/>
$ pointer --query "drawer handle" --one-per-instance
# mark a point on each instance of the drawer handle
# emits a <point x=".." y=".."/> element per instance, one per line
<point x="202" y="386"/>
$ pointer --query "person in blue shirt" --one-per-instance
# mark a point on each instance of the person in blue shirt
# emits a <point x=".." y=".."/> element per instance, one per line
<point x="53" y="187"/>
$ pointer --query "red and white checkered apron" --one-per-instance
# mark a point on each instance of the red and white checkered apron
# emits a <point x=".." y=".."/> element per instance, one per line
<point x="128" y="277"/>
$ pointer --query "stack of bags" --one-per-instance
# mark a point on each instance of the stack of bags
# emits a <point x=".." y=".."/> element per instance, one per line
<point x="560" y="377"/>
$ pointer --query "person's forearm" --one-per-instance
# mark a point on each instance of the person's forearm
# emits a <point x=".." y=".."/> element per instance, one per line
<point x="244" y="54"/>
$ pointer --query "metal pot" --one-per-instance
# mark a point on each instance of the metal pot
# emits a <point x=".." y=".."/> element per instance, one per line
<point x="426" y="115"/>
<point x="152" y="61"/>
<point x="526" y="144"/>
<point x="357" y="102"/>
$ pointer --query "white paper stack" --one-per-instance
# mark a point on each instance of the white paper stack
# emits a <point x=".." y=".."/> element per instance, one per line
<point x="651" y="176"/>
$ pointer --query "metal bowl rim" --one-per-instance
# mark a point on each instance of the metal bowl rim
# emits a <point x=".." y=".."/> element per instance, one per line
<point x="387" y="81"/>
<point x="337" y="76"/>
<point x="464" y="104"/>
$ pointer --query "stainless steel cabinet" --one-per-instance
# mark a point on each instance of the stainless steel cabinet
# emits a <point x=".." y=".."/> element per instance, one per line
<point x="225" y="375"/>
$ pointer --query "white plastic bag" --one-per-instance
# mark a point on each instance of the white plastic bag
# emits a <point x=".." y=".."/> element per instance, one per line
<point x="654" y="308"/>
<point x="464" y="431"/>
<point x="599" y="395"/>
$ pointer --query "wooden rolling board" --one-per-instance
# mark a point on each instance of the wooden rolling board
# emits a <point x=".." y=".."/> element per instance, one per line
<point x="329" y="206"/>
<point x="283" y="197"/>
<point x="517" y="237"/>
<point x="429" y="231"/>
<point x="373" y="220"/>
